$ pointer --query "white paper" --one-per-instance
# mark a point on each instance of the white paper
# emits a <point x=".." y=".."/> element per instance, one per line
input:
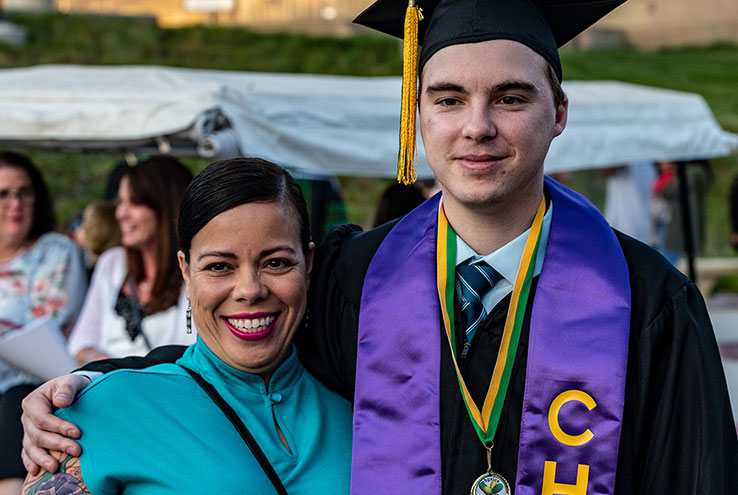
<point x="38" y="349"/>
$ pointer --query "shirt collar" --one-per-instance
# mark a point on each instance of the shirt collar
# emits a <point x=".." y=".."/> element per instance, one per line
<point x="507" y="258"/>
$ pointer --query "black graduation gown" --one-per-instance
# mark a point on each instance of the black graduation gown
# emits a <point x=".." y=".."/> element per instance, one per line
<point x="678" y="435"/>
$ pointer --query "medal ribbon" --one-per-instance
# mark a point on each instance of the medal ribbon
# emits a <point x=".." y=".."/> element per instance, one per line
<point x="485" y="422"/>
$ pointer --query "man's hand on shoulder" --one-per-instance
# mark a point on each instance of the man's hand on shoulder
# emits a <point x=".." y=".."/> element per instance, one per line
<point x="42" y="430"/>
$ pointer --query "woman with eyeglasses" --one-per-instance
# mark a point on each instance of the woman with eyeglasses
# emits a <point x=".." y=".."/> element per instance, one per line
<point x="41" y="275"/>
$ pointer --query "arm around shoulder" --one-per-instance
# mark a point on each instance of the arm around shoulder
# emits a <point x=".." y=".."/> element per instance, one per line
<point x="327" y="343"/>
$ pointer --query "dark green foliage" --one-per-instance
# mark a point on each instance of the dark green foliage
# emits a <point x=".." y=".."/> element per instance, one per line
<point x="711" y="72"/>
<point x="103" y="40"/>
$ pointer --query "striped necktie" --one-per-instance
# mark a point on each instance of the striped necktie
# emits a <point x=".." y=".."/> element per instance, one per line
<point x="473" y="282"/>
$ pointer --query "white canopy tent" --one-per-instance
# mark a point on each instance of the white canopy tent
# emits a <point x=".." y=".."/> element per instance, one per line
<point x="327" y="124"/>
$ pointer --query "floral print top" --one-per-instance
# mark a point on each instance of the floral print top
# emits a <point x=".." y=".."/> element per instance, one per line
<point x="48" y="279"/>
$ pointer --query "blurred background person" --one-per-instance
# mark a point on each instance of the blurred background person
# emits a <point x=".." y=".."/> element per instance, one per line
<point x="428" y="187"/>
<point x="628" y="199"/>
<point x="668" y="209"/>
<point x="664" y="195"/>
<point x="99" y="230"/>
<point x="116" y="173"/>
<point x="136" y="299"/>
<point x="324" y="201"/>
<point x="734" y="213"/>
<point x="41" y="275"/>
<point x="397" y="200"/>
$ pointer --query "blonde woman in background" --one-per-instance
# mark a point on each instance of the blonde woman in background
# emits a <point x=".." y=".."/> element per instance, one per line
<point x="136" y="300"/>
<point x="99" y="231"/>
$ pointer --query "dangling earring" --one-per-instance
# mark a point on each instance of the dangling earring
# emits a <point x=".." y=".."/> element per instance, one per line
<point x="189" y="317"/>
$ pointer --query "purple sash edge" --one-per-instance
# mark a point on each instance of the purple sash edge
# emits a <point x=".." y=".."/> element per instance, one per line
<point x="397" y="431"/>
<point x="596" y="320"/>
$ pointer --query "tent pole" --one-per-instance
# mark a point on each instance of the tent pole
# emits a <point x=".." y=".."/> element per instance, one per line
<point x="687" y="227"/>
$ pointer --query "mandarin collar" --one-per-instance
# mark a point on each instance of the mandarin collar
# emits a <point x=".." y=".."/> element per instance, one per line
<point x="198" y="357"/>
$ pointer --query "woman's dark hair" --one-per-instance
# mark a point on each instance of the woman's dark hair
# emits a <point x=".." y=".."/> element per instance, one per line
<point x="159" y="183"/>
<point x="44" y="219"/>
<point x="226" y="184"/>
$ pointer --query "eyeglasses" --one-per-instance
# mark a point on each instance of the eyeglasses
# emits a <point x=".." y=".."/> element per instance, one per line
<point x="24" y="195"/>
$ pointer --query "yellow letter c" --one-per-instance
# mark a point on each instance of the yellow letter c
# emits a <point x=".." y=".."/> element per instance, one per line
<point x="553" y="417"/>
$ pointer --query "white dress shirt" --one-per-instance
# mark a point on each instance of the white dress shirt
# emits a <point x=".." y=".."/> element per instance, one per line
<point x="506" y="261"/>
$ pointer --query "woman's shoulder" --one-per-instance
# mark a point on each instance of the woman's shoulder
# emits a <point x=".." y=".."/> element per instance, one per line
<point x="113" y="263"/>
<point x="53" y="242"/>
<point x="126" y="389"/>
<point x="110" y="270"/>
<point x="51" y="249"/>
<point x="161" y="372"/>
<point x="114" y="255"/>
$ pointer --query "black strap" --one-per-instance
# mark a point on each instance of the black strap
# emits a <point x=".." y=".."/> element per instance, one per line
<point x="137" y="316"/>
<point x="241" y="429"/>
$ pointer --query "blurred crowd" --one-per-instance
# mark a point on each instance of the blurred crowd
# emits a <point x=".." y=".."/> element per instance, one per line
<point x="645" y="200"/>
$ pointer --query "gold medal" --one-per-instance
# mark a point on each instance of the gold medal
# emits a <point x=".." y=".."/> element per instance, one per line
<point x="491" y="483"/>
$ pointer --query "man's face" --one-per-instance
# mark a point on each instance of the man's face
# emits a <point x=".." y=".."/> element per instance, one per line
<point x="487" y="118"/>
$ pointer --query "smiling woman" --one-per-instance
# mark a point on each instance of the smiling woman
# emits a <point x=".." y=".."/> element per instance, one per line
<point x="248" y="291"/>
<point x="245" y="255"/>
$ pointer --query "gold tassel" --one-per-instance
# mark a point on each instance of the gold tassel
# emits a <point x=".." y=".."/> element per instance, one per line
<point x="408" y="147"/>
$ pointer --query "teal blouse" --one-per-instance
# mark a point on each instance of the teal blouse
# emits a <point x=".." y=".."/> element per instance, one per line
<point x="155" y="431"/>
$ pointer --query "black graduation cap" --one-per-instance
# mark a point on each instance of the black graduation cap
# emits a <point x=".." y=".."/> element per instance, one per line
<point x="542" y="25"/>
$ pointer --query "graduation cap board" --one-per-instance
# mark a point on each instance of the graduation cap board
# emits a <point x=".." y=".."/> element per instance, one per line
<point x="542" y="25"/>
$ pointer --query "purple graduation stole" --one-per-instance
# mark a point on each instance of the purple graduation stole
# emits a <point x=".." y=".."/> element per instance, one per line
<point x="577" y="356"/>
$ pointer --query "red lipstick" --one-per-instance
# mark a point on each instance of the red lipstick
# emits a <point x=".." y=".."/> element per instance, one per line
<point x="251" y="336"/>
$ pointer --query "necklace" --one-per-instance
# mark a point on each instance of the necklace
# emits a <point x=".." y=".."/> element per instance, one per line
<point x="5" y="259"/>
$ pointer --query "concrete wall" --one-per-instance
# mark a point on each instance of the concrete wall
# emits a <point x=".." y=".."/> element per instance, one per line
<point x="167" y="12"/>
<point x="29" y="5"/>
<point x="324" y="16"/>
<point x="333" y="16"/>
<point x="641" y="23"/>
<point x="664" y="23"/>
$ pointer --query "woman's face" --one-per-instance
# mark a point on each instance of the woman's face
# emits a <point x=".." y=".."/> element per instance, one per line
<point x="138" y="224"/>
<point x="16" y="205"/>
<point x="247" y="282"/>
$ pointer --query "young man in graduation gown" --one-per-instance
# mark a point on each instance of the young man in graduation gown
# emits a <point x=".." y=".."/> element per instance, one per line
<point x="502" y="337"/>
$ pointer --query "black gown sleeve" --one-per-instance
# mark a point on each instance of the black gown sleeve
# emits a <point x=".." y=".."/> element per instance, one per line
<point x="327" y="342"/>
<point x="678" y="434"/>
<point x="158" y="355"/>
